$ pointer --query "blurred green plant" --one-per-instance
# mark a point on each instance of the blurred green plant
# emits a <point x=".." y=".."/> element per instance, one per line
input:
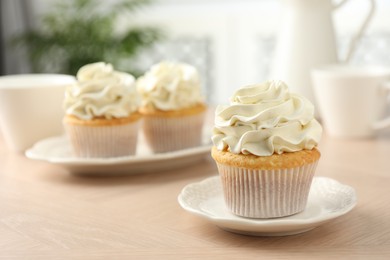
<point x="78" y="32"/>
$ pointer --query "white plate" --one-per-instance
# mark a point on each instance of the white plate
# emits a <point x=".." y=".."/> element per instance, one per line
<point x="328" y="199"/>
<point x="57" y="150"/>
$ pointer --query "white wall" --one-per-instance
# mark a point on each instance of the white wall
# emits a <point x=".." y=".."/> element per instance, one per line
<point x="242" y="32"/>
<point x="237" y="28"/>
<point x="233" y="27"/>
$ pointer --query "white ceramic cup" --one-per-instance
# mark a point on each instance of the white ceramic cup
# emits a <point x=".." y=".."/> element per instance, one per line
<point x="31" y="107"/>
<point x="352" y="100"/>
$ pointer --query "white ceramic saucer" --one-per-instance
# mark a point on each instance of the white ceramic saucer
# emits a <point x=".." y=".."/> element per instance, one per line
<point x="57" y="150"/>
<point x="328" y="199"/>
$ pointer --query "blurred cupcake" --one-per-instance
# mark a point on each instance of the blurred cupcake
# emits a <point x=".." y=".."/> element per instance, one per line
<point x="265" y="149"/>
<point x="101" y="112"/>
<point x="172" y="107"/>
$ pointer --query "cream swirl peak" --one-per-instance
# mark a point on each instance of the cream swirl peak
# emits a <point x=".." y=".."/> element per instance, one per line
<point x="264" y="119"/>
<point x="101" y="92"/>
<point x="170" y="86"/>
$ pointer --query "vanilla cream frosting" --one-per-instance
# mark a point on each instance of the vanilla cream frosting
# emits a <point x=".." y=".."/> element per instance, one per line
<point x="170" y="86"/>
<point x="101" y="92"/>
<point x="264" y="119"/>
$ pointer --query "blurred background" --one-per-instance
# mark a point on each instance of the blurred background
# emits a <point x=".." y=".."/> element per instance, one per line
<point x="231" y="42"/>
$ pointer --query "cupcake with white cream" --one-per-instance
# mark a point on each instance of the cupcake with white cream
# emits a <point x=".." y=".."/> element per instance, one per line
<point x="172" y="106"/>
<point x="265" y="149"/>
<point x="101" y="112"/>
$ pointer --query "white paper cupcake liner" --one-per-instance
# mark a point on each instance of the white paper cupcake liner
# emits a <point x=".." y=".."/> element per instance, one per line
<point x="103" y="141"/>
<point x="266" y="193"/>
<point x="165" y="134"/>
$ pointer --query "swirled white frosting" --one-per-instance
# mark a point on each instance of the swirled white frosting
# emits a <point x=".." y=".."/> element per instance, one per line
<point x="170" y="86"/>
<point x="264" y="119"/>
<point x="101" y="92"/>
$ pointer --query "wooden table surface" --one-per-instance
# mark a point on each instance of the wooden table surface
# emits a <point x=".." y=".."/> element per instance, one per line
<point x="47" y="213"/>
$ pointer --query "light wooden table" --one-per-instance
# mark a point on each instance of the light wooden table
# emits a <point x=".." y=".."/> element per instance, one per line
<point x="46" y="213"/>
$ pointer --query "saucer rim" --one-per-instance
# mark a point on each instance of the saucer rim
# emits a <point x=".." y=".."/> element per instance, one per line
<point x="306" y="224"/>
<point x="144" y="162"/>
<point x="33" y="153"/>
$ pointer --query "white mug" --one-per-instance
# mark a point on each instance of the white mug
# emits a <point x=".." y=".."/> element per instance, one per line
<point x="31" y="107"/>
<point x="352" y="100"/>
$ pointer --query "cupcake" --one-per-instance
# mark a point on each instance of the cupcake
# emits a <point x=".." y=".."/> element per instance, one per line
<point x="101" y="112"/>
<point x="265" y="149"/>
<point x="172" y="107"/>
